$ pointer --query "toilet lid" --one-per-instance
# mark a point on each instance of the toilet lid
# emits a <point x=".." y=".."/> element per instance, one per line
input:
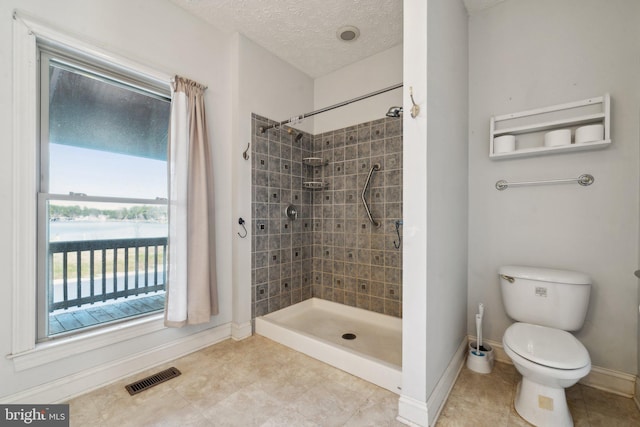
<point x="546" y="346"/>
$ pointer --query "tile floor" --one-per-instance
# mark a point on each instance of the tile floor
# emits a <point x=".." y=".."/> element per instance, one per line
<point x="489" y="399"/>
<point x="254" y="382"/>
<point x="257" y="382"/>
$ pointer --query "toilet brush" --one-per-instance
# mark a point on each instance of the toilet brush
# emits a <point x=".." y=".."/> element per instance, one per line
<point x="479" y="332"/>
<point x="481" y="312"/>
<point x="480" y="357"/>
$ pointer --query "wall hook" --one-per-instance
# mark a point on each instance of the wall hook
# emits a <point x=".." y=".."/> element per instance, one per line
<point x="241" y="222"/>
<point x="415" y="109"/>
<point x="397" y="245"/>
<point x="245" y="155"/>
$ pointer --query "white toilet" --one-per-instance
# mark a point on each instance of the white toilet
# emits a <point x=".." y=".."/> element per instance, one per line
<point x="545" y="303"/>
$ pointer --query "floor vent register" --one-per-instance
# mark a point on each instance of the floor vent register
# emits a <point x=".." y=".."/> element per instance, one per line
<point x="150" y="381"/>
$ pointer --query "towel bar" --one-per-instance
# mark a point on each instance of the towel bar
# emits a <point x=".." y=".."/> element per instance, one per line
<point x="584" y="180"/>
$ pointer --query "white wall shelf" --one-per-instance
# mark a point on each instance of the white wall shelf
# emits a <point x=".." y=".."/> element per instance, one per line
<point x="539" y="151"/>
<point x="532" y="122"/>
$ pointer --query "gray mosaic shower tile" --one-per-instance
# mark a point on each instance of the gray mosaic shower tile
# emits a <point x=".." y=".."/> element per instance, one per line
<point x="331" y="251"/>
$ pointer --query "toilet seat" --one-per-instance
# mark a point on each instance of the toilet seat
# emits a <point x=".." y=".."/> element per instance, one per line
<point x="550" y="347"/>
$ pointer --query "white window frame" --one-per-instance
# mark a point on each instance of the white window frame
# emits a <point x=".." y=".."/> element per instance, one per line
<point x="66" y="60"/>
<point x="25" y="352"/>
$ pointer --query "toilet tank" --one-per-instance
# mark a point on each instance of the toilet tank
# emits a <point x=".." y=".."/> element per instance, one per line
<point x="547" y="297"/>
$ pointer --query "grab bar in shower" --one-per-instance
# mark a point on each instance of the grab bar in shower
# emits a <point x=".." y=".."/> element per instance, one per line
<point x="375" y="167"/>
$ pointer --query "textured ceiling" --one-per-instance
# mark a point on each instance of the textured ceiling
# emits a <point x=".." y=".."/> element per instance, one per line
<point x="303" y="32"/>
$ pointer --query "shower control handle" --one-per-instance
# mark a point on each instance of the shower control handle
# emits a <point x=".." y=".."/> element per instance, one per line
<point x="291" y="212"/>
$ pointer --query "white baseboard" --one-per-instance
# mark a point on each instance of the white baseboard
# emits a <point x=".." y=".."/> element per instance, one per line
<point x="240" y="331"/>
<point x="608" y="380"/>
<point x="412" y="412"/>
<point x="415" y="413"/>
<point x="88" y="380"/>
<point x="441" y="392"/>
<point x="636" y="397"/>
<point x="616" y="382"/>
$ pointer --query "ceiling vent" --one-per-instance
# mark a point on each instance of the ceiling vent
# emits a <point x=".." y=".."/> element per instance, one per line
<point x="348" y="33"/>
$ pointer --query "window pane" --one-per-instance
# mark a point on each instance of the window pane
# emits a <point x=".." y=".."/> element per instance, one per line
<point x="105" y="138"/>
<point x="105" y="262"/>
<point x="104" y="135"/>
<point x="100" y="173"/>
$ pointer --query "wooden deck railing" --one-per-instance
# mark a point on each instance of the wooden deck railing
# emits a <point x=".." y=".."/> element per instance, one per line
<point x="101" y="270"/>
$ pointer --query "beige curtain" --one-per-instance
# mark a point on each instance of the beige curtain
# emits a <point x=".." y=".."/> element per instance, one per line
<point x="192" y="295"/>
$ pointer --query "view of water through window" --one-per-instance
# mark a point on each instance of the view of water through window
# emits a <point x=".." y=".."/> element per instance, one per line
<point x="103" y="198"/>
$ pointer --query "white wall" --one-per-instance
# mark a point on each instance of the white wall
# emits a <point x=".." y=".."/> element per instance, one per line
<point x="447" y="182"/>
<point x="368" y="75"/>
<point x="435" y="203"/>
<point x="268" y="86"/>
<point x="156" y="34"/>
<point x="413" y="401"/>
<point x="524" y="55"/>
<point x="271" y="87"/>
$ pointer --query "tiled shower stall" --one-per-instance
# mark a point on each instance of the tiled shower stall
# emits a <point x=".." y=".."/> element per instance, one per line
<point x="331" y="251"/>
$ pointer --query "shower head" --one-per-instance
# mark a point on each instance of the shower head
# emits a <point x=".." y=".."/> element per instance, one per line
<point x="299" y="135"/>
<point x="394" y="112"/>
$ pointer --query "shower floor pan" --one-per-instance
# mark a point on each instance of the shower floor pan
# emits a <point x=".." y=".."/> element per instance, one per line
<point x="316" y="327"/>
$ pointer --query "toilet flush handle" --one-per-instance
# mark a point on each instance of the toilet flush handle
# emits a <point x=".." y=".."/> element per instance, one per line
<point x="508" y="278"/>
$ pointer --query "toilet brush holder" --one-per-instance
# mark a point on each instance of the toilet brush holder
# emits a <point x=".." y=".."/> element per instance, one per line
<point x="482" y="361"/>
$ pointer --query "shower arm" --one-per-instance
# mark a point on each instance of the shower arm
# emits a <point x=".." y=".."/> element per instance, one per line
<point x="375" y="167"/>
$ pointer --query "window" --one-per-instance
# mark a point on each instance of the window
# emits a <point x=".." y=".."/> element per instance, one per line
<point x="102" y="195"/>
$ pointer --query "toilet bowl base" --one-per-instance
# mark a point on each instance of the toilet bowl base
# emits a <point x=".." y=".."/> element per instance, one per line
<point x="542" y="405"/>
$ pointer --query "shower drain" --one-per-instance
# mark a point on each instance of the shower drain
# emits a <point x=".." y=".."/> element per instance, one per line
<point x="349" y="336"/>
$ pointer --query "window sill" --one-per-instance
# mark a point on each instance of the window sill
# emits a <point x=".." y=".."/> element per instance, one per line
<point x="62" y="348"/>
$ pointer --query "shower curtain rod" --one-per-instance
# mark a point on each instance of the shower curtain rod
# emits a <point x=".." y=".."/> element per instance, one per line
<point x="263" y="129"/>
